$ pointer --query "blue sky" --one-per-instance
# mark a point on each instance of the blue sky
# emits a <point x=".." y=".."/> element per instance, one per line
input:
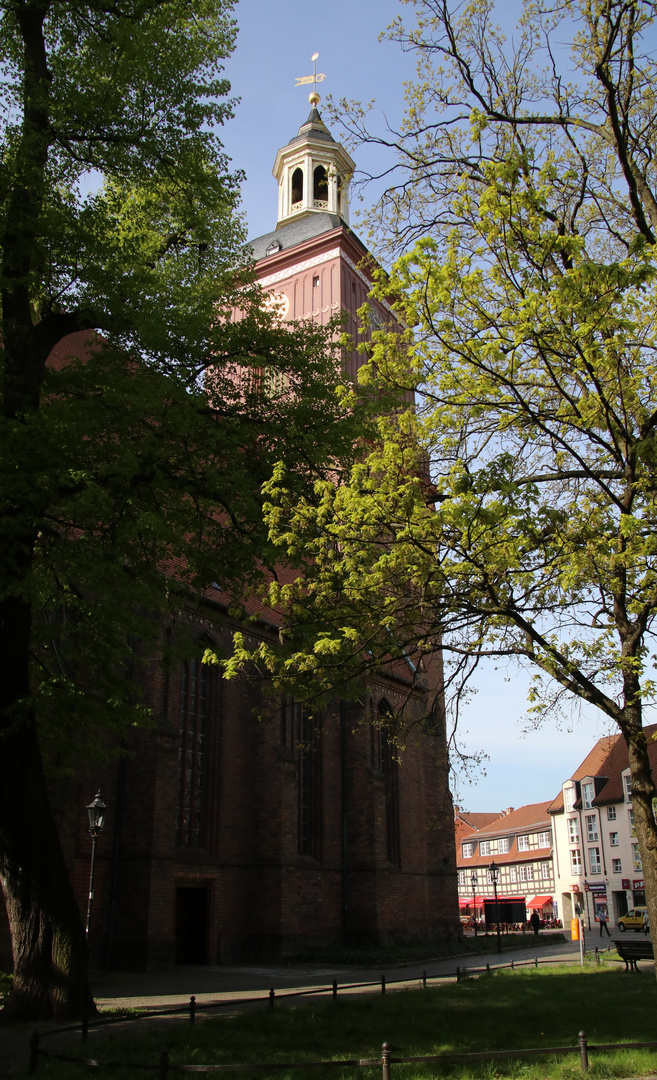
<point x="275" y="44"/>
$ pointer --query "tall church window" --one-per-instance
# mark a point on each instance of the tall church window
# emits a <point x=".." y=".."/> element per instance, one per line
<point x="297" y="186"/>
<point x="193" y="718"/>
<point x="320" y="184"/>
<point x="390" y="770"/>
<point x="309" y="783"/>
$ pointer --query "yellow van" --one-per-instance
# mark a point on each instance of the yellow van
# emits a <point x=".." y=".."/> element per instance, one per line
<point x="633" y="920"/>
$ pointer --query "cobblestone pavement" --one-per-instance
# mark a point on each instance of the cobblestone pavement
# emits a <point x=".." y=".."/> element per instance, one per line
<point x="153" y="991"/>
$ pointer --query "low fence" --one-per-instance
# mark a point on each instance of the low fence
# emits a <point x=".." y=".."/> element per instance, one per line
<point x="164" y="1066"/>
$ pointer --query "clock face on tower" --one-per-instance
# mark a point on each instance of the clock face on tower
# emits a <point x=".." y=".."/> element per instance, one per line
<point x="278" y="303"/>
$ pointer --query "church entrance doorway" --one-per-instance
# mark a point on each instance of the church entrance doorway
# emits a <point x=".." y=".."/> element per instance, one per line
<point x="191" y="925"/>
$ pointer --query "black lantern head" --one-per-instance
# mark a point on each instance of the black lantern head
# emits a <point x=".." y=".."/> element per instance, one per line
<point x="494" y="871"/>
<point x="96" y="811"/>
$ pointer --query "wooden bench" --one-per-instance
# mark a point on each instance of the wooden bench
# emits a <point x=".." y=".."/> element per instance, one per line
<point x="631" y="951"/>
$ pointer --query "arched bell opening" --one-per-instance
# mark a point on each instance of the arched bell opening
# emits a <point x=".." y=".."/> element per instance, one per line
<point x="320" y="185"/>
<point x="297" y="186"/>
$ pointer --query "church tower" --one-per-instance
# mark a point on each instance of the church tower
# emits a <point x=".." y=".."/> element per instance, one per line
<point x="312" y="261"/>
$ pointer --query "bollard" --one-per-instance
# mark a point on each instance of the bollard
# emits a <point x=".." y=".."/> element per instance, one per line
<point x="385" y="1061"/>
<point x="192" y="1009"/>
<point x="424" y="980"/>
<point x="583" y="1052"/>
<point x="512" y="968"/>
<point x="383" y="984"/>
<point x="84" y="1026"/>
<point x="488" y="969"/>
<point x="34" y="1052"/>
<point x="272" y="995"/>
<point x="597" y="955"/>
<point x="335" y="989"/>
<point x="536" y="961"/>
<point x="163" y="1067"/>
<point x="458" y="973"/>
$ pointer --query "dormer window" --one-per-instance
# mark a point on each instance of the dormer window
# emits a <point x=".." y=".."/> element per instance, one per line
<point x="297" y="186"/>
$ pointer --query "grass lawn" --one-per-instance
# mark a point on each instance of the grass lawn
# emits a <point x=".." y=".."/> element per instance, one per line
<point x="507" y="1010"/>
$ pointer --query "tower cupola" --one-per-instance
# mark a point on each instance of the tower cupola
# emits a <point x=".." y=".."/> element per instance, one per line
<point x="313" y="172"/>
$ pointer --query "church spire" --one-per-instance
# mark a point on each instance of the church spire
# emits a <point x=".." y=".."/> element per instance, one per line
<point x="313" y="171"/>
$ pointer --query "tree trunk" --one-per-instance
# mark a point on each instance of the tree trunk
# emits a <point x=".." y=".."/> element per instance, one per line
<point x="643" y="793"/>
<point x="50" y="955"/>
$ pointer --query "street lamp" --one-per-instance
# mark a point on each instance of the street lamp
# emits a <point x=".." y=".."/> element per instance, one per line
<point x="473" y="881"/>
<point x="494" y="873"/>
<point x="96" y="811"/>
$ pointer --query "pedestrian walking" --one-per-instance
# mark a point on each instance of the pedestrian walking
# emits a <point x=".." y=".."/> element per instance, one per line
<point x="602" y="919"/>
<point x="535" y="922"/>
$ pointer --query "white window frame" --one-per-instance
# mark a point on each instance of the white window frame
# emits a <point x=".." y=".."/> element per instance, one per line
<point x="484" y="847"/>
<point x="595" y="863"/>
<point x="613" y="839"/>
<point x="503" y="845"/>
<point x="591" y="827"/>
<point x="466" y="850"/>
<point x="576" y="862"/>
<point x="513" y="873"/>
<point x="546" y="871"/>
<point x="523" y="843"/>
<point x="573" y="830"/>
<point x="636" y="858"/>
<point x="588" y="795"/>
<point x="611" y="813"/>
<point x="616" y="866"/>
<point x="570" y="797"/>
<point x="627" y="787"/>
<point x="545" y="839"/>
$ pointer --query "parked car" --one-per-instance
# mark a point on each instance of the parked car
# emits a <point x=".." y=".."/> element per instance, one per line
<point x="632" y="920"/>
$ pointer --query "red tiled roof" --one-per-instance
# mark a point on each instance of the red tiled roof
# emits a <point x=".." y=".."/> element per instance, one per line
<point x="531" y="816"/>
<point x="607" y="761"/>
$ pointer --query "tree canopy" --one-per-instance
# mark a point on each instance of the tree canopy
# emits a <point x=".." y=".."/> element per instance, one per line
<point x="523" y="213"/>
<point x="139" y="405"/>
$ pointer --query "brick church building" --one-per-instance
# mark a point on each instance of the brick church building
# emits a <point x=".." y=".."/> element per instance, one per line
<point x="241" y="828"/>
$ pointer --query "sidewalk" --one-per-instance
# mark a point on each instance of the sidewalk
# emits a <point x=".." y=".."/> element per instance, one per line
<point x="151" y="991"/>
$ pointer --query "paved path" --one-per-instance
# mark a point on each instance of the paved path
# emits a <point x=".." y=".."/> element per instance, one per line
<point x="153" y="991"/>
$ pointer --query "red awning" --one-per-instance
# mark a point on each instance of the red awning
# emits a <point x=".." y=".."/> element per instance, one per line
<point x="478" y="901"/>
<point x="539" y="901"/>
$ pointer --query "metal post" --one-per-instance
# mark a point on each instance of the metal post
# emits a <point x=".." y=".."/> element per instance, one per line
<point x="163" y="1067"/>
<point x="424" y="980"/>
<point x="583" y="1052"/>
<point x="91" y="885"/>
<point x="473" y="880"/>
<point x="383" y="984"/>
<point x="511" y="963"/>
<point x="458" y="973"/>
<point x="272" y="994"/>
<point x="192" y="1009"/>
<point x="335" y="989"/>
<point x="385" y="1061"/>
<point x="581" y="942"/>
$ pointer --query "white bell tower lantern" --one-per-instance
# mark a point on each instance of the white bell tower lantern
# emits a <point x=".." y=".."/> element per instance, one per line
<point x="313" y="172"/>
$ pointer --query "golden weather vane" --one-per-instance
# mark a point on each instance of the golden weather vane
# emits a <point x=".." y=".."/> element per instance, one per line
<point x="303" y="80"/>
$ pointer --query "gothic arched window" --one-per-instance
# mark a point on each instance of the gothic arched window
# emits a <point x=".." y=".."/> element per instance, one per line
<point x="390" y="770"/>
<point x="309" y="783"/>
<point x="193" y="718"/>
<point x="297" y="186"/>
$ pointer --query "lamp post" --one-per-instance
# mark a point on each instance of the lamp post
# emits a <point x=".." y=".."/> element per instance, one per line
<point x="473" y="882"/>
<point x="494" y="872"/>
<point x="96" y="811"/>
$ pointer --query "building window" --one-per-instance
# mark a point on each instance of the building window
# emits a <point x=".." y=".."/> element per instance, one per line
<point x="309" y="784"/>
<point x="390" y="770"/>
<point x="588" y="792"/>
<point x="503" y="846"/>
<point x="591" y="827"/>
<point x="611" y="813"/>
<point x="484" y="847"/>
<point x="575" y="862"/>
<point x="594" y="860"/>
<point x="195" y="686"/>
<point x="570" y="797"/>
<point x="546" y="870"/>
<point x="320" y="185"/>
<point x="316" y="281"/>
<point x="461" y="878"/>
<point x="573" y="830"/>
<point x="627" y="782"/>
<point x="513" y="873"/>
<point x="630" y="818"/>
<point x="544" y="839"/>
<point x="636" y="857"/>
<point x="613" y="839"/>
<point x="616" y="866"/>
<point x="467" y="850"/>
<point x="523" y="843"/>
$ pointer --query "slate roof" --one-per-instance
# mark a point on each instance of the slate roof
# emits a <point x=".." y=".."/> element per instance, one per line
<point x="295" y="232"/>
<point x="605" y="763"/>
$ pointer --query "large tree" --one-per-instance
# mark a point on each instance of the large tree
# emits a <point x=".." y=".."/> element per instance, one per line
<point x="146" y="394"/>
<point x="524" y="215"/>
